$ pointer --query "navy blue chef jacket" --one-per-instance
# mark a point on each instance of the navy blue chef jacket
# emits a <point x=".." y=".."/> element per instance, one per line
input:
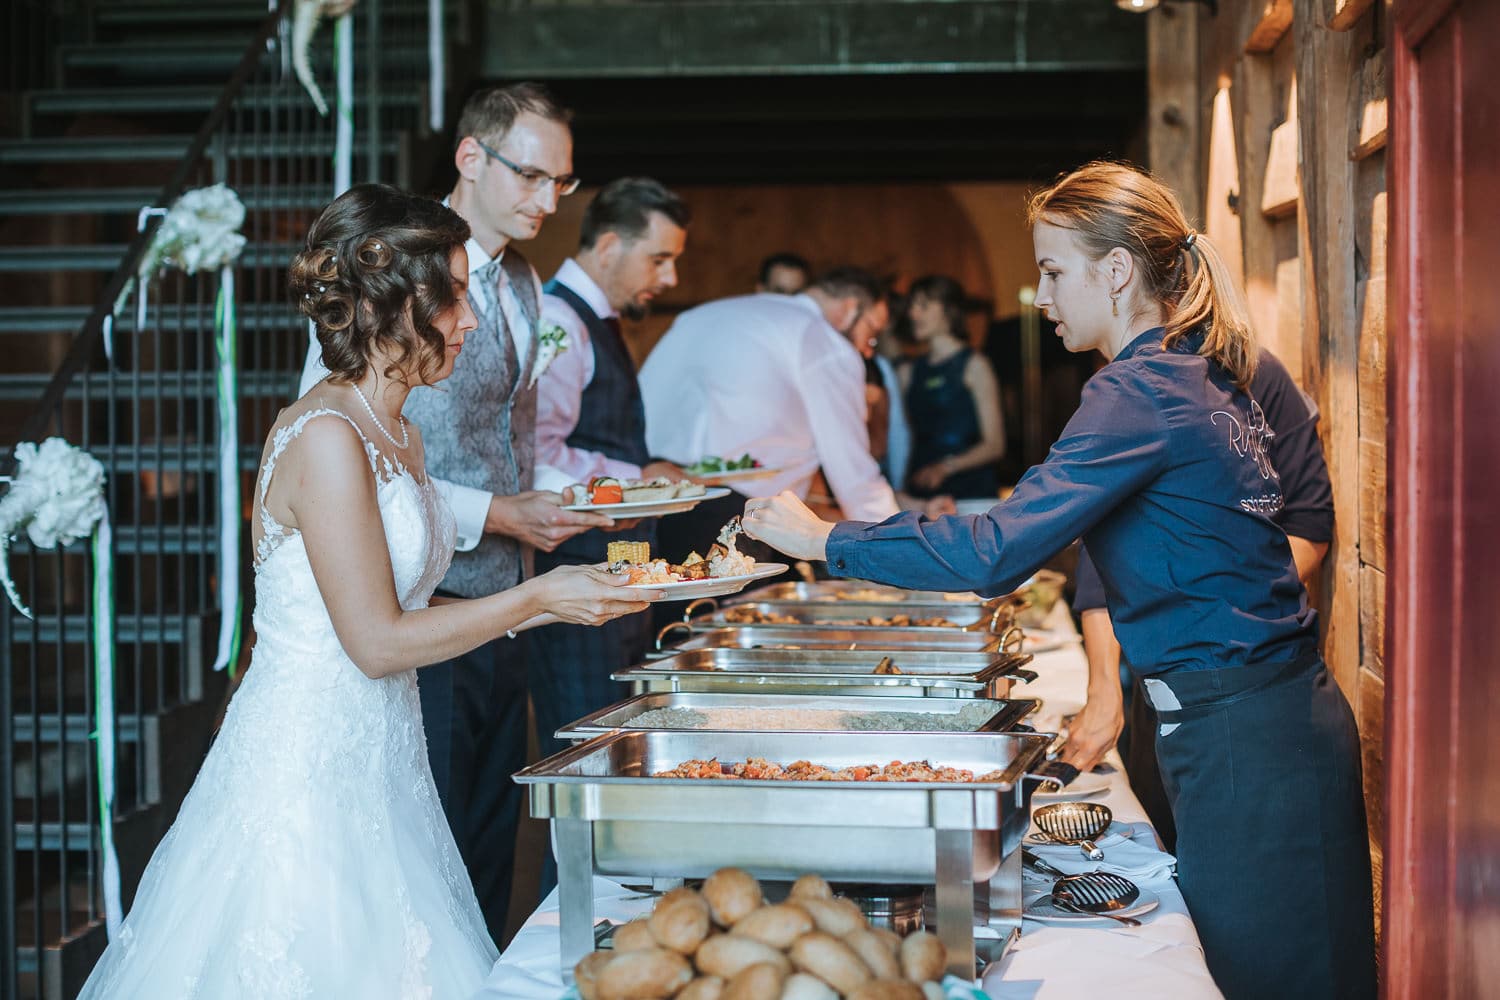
<point x="1166" y="473"/>
<point x="1307" y="510"/>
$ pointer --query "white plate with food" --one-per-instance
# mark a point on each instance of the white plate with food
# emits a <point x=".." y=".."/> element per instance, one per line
<point x="714" y="586"/>
<point x="653" y="507"/>
<point x="1044" y="909"/>
<point x="713" y="470"/>
<point x="731" y="476"/>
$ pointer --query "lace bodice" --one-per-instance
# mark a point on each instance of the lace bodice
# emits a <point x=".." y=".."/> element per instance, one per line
<point x="419" y="531"/>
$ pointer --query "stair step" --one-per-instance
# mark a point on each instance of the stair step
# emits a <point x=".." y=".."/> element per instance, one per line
<point x="53" y="837"/>
<point x="75" y="727"/>
<point x="175" y="59"/>
<point x="170" y="629"/>
<point x="102" y="386"/>
<point x="129" y="200"/>
<point x="166" y="148"/>
<point x="170" y="100"/>
<point x="107" y="257"/>
<point x="68" y="319"/>
<point x="167" y="539"/>
<point x="155" y="14"/>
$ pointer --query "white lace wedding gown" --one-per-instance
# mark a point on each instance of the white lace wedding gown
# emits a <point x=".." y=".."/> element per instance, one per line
<point x="311" y="858"/>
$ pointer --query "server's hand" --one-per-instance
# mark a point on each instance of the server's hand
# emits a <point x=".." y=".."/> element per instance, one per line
<point x="785" y="523"/>
<point x="1093" y="732"/>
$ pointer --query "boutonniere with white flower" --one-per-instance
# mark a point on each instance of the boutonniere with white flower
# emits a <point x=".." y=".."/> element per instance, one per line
<point x="551" y="341"/>
<point x="57" y="495"/>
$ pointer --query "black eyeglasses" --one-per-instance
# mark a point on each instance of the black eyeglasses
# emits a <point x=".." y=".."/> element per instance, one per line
<point x="533" y="179"/>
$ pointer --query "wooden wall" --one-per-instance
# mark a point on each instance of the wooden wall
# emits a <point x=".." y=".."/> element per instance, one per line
<point x="1286" y="151"/>
<point x="975" y="232"/>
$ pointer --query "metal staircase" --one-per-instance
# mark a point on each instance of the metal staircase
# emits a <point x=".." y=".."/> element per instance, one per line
<point x="117" y="105"/>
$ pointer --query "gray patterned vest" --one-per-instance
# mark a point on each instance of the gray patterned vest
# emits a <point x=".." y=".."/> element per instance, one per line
<point x="479" y="427"/>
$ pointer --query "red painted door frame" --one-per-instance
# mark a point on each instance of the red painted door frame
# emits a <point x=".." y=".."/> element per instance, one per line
<point x="1441" y="897"/>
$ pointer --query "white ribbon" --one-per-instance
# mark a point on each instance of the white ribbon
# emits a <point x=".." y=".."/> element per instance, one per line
<point x="436" y="70"/>
<point x="343" y="124"/>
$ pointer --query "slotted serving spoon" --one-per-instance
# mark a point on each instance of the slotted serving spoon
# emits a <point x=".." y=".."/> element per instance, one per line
<point x="1075" y="823"/>
<point x="1097" y="894"/>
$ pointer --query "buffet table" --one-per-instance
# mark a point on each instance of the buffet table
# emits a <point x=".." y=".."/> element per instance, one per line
<point x="1160" y="959"/>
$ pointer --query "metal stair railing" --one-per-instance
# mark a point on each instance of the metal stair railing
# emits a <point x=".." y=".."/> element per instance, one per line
<point x="147" y="410"/>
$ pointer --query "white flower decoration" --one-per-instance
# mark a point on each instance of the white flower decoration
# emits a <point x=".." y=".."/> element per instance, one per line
<point x="551" y="341"/>
<point x="57" y="495"/>
<point x="200" y="233"/>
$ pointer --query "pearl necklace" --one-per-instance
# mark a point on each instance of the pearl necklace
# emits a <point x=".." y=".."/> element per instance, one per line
<point x="405" y="433"/>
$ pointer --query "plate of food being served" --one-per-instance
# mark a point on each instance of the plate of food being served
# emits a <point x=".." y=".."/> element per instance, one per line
<point x="632" y="498"/>
<point x="711" y="470"/>
<point x="725" y="570"/>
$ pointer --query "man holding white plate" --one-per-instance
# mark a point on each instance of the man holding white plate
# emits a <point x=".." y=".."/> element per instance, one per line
<point x="591" y="423"/>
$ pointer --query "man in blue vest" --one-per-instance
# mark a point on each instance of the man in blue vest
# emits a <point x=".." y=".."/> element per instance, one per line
<point x="591" y="422"/>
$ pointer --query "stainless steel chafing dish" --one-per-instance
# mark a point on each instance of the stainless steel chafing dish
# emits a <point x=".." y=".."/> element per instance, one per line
<point x="1005" y="715"/>
<point x="856" y="637"/>
<point x="1028" y="604"/>
<point x="610" y="817"/>
<point x="975" y="616"/>
<point x="846" y="590"/>
<point x="924" y="672"/>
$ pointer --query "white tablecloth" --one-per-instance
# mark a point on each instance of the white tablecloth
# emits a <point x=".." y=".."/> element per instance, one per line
<point x="1161" y="959"/>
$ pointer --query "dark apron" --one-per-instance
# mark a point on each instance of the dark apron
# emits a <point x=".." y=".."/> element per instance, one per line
<point x="1273" y="857"/>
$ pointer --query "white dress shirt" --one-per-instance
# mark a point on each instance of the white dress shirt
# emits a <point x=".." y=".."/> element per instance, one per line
<point x="559" y="392"/>
<point x="766" y="374"/>
<point x="470" y="506"/>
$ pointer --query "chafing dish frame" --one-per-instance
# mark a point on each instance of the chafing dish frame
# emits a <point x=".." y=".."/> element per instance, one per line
<point x="1008" y="713"/>
<point x="995" y="616"/>
<point x="742" y="635"/>
<point x="610" y="817"/>
<point x="802" y="671"/>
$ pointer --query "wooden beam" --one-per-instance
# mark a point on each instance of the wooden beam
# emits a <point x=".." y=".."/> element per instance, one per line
<point x="1221" y="211"/>
<point x="1274" y="21"/>
<point x="1279" y="195"/>
<point x="1173" y="123"/>
<point x="1346" y="13"/>
<point x="1374" y="86"/>
<point x="1327" y="69"/>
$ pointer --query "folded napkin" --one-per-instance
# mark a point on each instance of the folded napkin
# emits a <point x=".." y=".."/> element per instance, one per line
<point x="1129" y="849"/>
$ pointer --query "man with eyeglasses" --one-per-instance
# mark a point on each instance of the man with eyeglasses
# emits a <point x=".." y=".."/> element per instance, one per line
<point x="515" y="161"/>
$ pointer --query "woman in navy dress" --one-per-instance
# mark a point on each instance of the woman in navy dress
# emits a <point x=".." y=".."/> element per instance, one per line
<point x="952" y="399"/>
<point x="1164" y="472"/>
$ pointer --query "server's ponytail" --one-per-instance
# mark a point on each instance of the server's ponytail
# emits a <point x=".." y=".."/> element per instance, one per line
<point x="1114" y="205"/>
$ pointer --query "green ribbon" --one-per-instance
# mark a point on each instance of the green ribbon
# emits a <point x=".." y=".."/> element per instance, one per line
<point x="104" y="718"/>
<point x="227" y="358"/>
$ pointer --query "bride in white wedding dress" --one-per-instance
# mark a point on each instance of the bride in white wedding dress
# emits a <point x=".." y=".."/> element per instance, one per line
<point x="311" y="858"/>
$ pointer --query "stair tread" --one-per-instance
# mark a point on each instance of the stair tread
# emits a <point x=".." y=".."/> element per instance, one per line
<point x="129" y="200"/>
<point x="107" y="257"/>
<point x="77" y="149"/>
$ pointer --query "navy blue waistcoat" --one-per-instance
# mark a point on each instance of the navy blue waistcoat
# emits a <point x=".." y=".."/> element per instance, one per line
<point x="611" y="421"/>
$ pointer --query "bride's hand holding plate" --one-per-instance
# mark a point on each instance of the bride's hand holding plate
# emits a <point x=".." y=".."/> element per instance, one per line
<point x="785" y="523"/>
<point x="589" y="595"/>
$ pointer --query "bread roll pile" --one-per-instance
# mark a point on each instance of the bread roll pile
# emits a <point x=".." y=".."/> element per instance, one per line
<point x="726" y="943"/>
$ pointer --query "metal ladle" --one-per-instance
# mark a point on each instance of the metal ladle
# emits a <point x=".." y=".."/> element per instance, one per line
<point x="1097" y="894"/>
<point x="1075" y="823"/>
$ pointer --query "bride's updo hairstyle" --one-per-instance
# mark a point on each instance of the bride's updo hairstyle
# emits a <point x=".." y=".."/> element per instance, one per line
<point x="1112" y="205"/>
<point x="373" y="278"/>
